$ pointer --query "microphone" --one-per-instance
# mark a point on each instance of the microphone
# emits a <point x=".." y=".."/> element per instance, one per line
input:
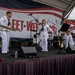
<point x="30" y="14"/>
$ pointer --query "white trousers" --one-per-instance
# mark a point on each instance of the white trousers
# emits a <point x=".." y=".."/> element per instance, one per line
<point x="44" y="43"/>
<point x="5" y="41"/>
<point x="68" y="40"/>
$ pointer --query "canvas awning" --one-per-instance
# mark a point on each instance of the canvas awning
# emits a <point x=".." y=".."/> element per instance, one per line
<point x="66" y="5"/>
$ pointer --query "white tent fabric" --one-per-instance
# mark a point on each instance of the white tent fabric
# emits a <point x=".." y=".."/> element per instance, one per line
<point x="72" y="15"/>
<point x="66" y="5"/>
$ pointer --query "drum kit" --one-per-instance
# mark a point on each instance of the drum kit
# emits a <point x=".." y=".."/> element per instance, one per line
<point x="36" y="38"/>
<point x="52" y="40"/>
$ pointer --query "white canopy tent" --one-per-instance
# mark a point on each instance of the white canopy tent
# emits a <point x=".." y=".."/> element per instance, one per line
<point x="72" y="15"/>
<point x="66" y="5"/>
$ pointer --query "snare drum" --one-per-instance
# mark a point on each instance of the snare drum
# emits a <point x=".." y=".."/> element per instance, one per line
<point x="36" y="39"/>
<point x="51" y="36"/>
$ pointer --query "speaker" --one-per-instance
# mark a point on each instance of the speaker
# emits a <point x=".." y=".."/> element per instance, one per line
<point x="70" y="49"/>
<point x="27" y="52"/>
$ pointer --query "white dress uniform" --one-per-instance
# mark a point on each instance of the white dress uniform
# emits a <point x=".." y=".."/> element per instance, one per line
<point x="68" y="40"/>
<point x="44" y="36"/>
<point x="4" y="33"/>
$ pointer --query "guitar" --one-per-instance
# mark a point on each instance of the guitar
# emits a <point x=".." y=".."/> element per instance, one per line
<point x="61" y="45"/>
<point x="69" y="30"/>
<point x="7" y="27"/>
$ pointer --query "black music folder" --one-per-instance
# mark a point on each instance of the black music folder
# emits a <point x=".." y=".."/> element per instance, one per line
<point x="64" y="27"/>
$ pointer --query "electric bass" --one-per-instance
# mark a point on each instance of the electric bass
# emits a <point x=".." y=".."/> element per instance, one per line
<point x="12" y="29"/>
<point x="69" y="30"/>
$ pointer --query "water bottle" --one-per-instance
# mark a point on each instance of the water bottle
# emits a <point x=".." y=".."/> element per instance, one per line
<point x="16" y="54"/>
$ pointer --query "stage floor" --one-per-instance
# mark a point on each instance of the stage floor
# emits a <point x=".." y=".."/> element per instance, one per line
<point x="46" y="63"/>
<point x="51" y="53"/>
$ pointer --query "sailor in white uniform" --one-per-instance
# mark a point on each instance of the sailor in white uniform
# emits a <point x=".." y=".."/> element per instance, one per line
<point x="4" y="32"/>
<point x="69" y="39"/>
<point x="43" y="29"/>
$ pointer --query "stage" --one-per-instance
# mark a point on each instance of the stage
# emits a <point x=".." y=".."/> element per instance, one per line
<point x="9" y="57"/>
<point x="46" y="63"/>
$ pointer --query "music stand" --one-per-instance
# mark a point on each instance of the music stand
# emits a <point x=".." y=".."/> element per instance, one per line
<point x="64" y="27"/>
<point x="37" y="21"/>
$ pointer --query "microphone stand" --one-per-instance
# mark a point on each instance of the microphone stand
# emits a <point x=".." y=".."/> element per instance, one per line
<point x="37" y="23"/>
<point x="35" y="19"/>
<point x="51" y="22"/>
<point x="51" y="34"/>
<point x="59" y="39"/>
<point x="58" y="36"/>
